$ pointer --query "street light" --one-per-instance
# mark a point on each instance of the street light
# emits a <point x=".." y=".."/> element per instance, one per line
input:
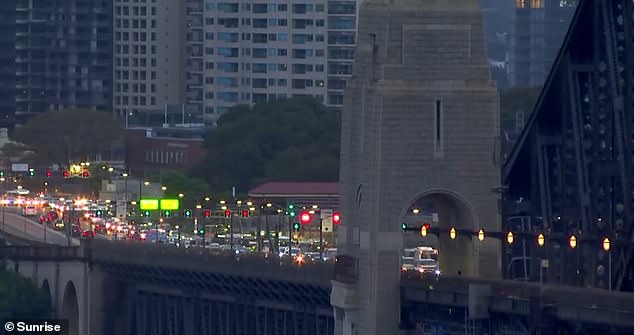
<point x="606" y="247"/>
<point x="541" y="240"/>
<point x="509" y="238"/>
<point x="481" y="235"/>
<point x="180" y="195"/>
<point x="572" y="241"/>
<point x="452" y="233"/>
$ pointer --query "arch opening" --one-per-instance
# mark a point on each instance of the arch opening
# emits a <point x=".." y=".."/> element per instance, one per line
<point x="47" y="289"/>
<point x="440" y="211"/>
<point x="70" y="308"/>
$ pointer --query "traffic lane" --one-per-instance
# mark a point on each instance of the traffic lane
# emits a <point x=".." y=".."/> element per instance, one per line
<point x="34" y="230"/>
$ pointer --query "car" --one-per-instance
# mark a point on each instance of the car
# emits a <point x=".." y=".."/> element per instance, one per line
<point x="29" y="211"/>
<point x="88" y="234"/>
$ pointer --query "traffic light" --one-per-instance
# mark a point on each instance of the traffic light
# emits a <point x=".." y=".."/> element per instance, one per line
<point x="167" y="213"/>
<point x="99" y="213"/>
<point x="296" y="226"/>
<point x="146" y="214"/>
<point x="86" y="174"/>
<point x="31" y="172"/>
<point x="245" y="213"/>
<point x="201" y="232"/>
<point x="305" y="218"/>
<point x="227" y="213"/>
<point x="48" y="173"/>
<point x="291" y="210"/>
<point x="207" y="213"/>
<point x="188" y="213"/>
<point x="424" y="230"/>
<point x="1" y="174"/>
<point x="65" y="174"/>
<point x="404" y="226"/>
<point x="336" y="218"/>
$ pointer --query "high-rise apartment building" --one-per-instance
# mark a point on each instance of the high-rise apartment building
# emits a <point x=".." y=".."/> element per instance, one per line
<point x="537" y="31"/>
<point x="7" y="63"/>
<point x="342" y="32"/>
<point x="63" y="55"/>
<point x="268" y="50"/>
<point x="150" y="57"/>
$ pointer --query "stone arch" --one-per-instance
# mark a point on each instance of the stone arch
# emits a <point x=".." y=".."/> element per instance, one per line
<point x="456" y="257"/>
<point x="70" y="308"/>
<point x="47" y="289"/>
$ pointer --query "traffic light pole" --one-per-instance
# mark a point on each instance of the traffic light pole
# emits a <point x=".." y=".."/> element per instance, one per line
<point x="290" y="234"/>
<point x="321" y="238"/>
<point x="231" y="232"/>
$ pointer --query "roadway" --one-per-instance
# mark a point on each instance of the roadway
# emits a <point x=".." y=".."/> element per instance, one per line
<point x="27" y="228"/>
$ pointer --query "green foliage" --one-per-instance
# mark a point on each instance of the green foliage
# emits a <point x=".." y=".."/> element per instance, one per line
<point x="293" y="139"/>
<point x="514" y="100"/>
<point x="69" y="135"/>
<point x="195" y="190"/>
<point x="20" y="298"/>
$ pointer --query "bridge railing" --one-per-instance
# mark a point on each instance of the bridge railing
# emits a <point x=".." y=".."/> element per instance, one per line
<point x="40" y="252"/>
<point x="345" y="269"/>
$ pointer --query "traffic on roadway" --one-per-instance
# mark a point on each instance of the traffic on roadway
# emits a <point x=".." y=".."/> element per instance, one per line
<point x="66" y="221"/>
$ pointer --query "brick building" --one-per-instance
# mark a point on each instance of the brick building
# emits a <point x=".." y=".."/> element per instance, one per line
<point x="151" y="151"/>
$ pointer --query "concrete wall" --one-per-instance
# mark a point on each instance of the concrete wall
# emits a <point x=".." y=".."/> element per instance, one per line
<point x="58" y="275"/>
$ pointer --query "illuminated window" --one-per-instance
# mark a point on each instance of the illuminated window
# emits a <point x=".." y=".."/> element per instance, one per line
<point x="520" y="3"/>
<point x="537" y="4"/>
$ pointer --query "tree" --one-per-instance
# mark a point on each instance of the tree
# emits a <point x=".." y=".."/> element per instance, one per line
<point x="293" y="139"/>
<point x="177" y="182"/>
<point x="69" y="135"/>
<point x="20" y="298"/>
<point x="515" y="100"/>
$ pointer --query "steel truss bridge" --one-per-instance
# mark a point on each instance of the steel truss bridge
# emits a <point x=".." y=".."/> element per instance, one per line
<point x="571" y="171"/>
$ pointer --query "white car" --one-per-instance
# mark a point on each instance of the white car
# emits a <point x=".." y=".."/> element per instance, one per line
<point x="29" y="211"/>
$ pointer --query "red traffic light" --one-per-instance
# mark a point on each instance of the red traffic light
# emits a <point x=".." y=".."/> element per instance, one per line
<point x="245" y="213"/>
<point x="227" y="213"/>
<point x="65" y="174"/>
<point x="305" y="218"/>
<point x="86" y="174"/>
<point x="48" y="173"/>
<point x="336" y="217"/>
<point x="427" y="225"/>
<point x="207" y="213"/>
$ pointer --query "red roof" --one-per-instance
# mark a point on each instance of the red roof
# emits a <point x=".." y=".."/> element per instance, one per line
<point x="279" y="189"/>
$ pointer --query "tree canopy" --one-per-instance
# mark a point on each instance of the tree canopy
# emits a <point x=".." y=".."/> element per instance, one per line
<point x="293" y="139"/>
<point x="194" y="189"/>
<point x="20" y="298"/>
<point x="69" y="135"/>
<point x="514" y="100"/>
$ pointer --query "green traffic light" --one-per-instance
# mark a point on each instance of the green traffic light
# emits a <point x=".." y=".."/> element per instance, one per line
<point x="146" y="213"/>
<point x="188" y="213"/>
<point x="201" y="232"/>
<point x="292" y="214"/>
<point x="166" y="213"/>
<point x="296" y="226"/>
<point x="404" y="226"/>
<point x="291" y="206"/>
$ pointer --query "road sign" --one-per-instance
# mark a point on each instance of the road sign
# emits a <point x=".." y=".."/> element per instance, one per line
<point x="170" y="204"/>
<point x="149" y="204"/>
<point x="15" y="167"/>
<point x="326" y="224"/>
<point x="326" y="213"/>
<point x="121" y="209"/>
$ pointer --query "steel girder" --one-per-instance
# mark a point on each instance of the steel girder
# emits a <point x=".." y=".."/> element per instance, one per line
<point x="572" y="169"/>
